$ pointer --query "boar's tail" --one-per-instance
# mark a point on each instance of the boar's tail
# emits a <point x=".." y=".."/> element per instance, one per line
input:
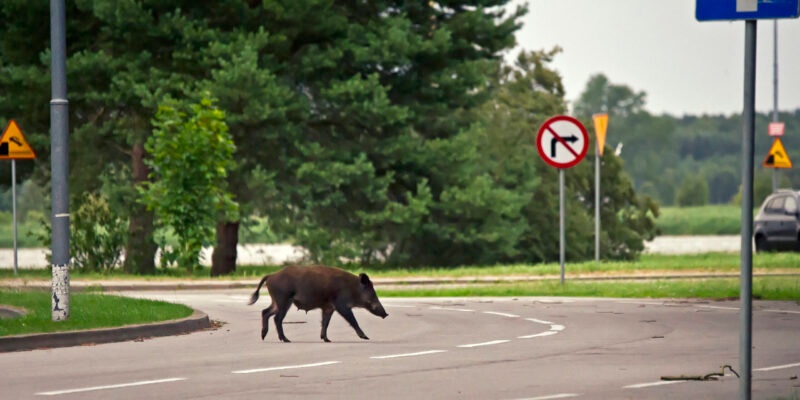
<point x="254" y="297"/>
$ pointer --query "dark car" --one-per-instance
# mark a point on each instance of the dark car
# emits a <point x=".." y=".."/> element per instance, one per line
<point x="777" y="224"/>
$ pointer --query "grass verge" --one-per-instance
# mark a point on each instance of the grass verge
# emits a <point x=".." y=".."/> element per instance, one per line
<point x="87" y="311"/>
<point x="764" y="288"/>
<point x="648" y="263"/>
<point x="723" y="219"/>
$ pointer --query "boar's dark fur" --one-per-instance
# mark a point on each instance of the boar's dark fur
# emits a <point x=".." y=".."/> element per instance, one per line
<point x="311" y="287"/>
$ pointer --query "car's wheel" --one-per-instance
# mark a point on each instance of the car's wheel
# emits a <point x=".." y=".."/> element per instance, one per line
<point x="761" y="244"/>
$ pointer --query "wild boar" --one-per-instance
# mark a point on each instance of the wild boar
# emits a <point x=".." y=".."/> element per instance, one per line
<point x="310" y="287"/>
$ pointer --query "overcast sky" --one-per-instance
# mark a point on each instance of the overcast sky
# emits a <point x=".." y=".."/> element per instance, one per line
<point x="657" y="46"/>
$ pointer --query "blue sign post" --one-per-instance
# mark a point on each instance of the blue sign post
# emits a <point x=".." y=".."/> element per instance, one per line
<point x="722" y="10"/>
<point x="749" y="11"/>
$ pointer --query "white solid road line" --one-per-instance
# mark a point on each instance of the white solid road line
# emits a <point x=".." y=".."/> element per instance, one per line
<point x="539" y="321"/>
<point x="419" y="353"/>
<point x="118" y="386"/>
<point x="777" y="367"/>
<point x="535" y="335"/>
<point x="319" y="364"/>
<point x="493" y="342"/>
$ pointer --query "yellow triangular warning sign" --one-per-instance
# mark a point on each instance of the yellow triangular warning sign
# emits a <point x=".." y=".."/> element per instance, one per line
<point x="777" y="157"/>
<point x="600" y="125"/>
<point x="13" y="145"/>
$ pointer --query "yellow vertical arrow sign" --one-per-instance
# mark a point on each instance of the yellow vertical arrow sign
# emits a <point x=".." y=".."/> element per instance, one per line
<point x="777" y="156"/>
<point x="600" y="125"/>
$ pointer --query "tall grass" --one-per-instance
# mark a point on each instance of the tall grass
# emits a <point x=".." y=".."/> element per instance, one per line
<point x="702" y="220"/>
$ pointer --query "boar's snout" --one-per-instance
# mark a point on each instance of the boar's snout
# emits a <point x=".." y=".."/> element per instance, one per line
<point x="377" y="309"/>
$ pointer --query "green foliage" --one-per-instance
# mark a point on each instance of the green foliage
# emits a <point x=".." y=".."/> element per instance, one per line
<point x="602" y="96"/>
<point x="97" y="235"/>
<point x="383" y="133"/>
<point x="191" y="152"/>
<point x="692" y="192"/>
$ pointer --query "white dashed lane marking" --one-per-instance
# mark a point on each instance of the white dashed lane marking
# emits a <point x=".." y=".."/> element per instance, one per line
<point x="284" y="367"/>
<point x="117" y="386"/>
<point x="419" y="353"/>
<point x="650" y="384"/>
<point x="777" y="367"/>
<point x="490" y="343"/>
<point x="452" y="309"/>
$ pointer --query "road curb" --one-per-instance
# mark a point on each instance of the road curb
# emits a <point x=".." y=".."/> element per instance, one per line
<point x="197" y="321"/>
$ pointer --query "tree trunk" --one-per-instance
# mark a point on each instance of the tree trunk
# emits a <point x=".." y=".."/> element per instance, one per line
<point x="223" y="259"/>
<point x="140" y="251"/>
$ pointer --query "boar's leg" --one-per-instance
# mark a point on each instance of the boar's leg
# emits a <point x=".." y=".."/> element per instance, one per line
<point x="279" y="315"/>
<point x="347" y="313"/>
<point x="265" y="314"/>
<point x="327" y="312"/>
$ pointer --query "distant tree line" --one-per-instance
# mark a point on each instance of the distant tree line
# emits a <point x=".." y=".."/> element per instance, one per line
<point x="688" y="160"/>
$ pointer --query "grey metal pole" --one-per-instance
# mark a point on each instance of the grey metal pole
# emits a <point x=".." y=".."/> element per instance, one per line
<point x="775" y="90"/>
<point x="14" y="208"/>
<point x="775" y="70"/>
<point x="597" y="203"/>
<point x="59" y="161"/>
<point x="746" y="279"/>
<point x="561" y="221"/>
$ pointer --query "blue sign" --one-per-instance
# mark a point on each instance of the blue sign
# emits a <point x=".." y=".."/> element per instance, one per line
<point x="715" y="10"/>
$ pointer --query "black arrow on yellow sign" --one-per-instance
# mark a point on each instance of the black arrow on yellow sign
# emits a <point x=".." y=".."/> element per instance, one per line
<point x="13" y="145"/>
<point x="777" y="157"/>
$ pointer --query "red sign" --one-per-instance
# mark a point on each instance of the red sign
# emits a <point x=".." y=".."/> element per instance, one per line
<point x="562" y="141"/>
<point x="776" y="128"/>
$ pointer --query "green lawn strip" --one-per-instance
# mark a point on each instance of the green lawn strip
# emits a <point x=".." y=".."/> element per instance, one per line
<point x="647" y="264"/>
<point x="765" y="288"/>
<point x="87" y="311"/>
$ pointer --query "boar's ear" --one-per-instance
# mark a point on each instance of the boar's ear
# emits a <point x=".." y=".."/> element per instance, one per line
<point x="365" y="280"/>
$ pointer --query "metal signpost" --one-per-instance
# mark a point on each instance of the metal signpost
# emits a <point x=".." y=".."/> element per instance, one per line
<point x="750" y="11"/>
<point x="562" y="142"/>
<point x="600" y="126"/>
<point x="13" y="146"/>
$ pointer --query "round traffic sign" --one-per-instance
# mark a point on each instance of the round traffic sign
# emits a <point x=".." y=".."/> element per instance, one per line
<point x="562" y="141"/>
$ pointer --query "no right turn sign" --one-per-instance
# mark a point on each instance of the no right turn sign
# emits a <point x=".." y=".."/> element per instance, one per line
<point x="562" y="141"/>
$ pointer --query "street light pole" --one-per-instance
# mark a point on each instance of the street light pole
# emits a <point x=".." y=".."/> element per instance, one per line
<point x="59" y="162"/>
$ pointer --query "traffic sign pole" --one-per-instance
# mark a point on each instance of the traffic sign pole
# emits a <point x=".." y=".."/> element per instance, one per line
<point x="746" y="278"/>
<point x="561" y="235"/>
<point x="14" y="208"/>
<point x="562" y="142"/>
<point x="597" y="206"/>
<point x="600" y="126"/>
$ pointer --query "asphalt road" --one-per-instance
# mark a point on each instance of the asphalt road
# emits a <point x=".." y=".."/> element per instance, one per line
<point x="503" y="348"/>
